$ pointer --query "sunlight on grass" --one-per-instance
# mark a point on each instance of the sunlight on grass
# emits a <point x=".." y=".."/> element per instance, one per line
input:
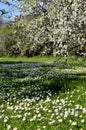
<point x="67" y="61"/>
<point x="43" y="59"/>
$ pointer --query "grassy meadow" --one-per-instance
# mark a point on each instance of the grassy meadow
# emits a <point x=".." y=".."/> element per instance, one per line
<point x="42" y="93"/>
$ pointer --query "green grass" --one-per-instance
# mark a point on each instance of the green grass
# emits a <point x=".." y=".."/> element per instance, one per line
<point x="36" y="96"/>
<point x="67" y="61"/>
<point x="72" y="60"/>
<point x="43" y="59"/>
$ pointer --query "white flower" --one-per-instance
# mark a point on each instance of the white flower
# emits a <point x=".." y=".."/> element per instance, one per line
<point x="25" y="114"/>
<point x="15" y="128"/>
<point x="53" y="121"/>
<point x="49" y="111"/>
<point x="59" y="120"/>
<point x="70" y="121"/>
<point x="24" y="118"/>
<point x="0" y="116"/>
<point x="74" y="123"/>
<point x="31" y="119"/>
<point x="82" y="121"/>
<point x="5" y="119"/>
<point x="44" y="127"/>
<point x="77" y="106"/>
<point x="80" y="116"/>
<point x="8" y="127"/>
<point x="84" y="110"/>
<point x="76" y="114"/>
<point x="37" y="111"/>
<point x="10" y="107"/>
<point x="39" y="115"/>
<point x="38" y="129"/>
<point x="48" y="99"/>
<point x="34" y="117"/>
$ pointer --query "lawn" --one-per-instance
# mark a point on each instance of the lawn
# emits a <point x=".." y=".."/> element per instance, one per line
<point x="39" y="94"/>
<point x="43" y="59"/>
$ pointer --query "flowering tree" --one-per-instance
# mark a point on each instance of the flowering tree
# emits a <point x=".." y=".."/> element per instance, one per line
<point x="61" y="30"/>
<point x="57" y="28"/>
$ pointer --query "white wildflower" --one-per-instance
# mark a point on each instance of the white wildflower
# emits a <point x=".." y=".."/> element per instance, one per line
<point x="59" y="120"/>
<point x="82" y="121"/>
<point x="44" y="127"/>
<point x="8" y="127"/>
<point x="15" y="128"/>
<point x="74" y="123"/>
<point x="24" y="118"/>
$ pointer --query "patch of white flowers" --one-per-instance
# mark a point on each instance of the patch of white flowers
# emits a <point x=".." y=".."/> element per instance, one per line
<point x="42" y="111"/>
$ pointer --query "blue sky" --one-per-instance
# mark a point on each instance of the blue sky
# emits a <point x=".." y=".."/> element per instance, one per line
<point x="9" y="8"/>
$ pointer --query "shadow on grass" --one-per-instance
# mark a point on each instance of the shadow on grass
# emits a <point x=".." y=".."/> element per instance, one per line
<point x="35" y="80"/>
<point x="35" y="88"/>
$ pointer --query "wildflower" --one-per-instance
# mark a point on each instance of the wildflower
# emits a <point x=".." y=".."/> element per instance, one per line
<point x="39" y="115"/>
<point x="37" y="111"/>
<point x="65" y="115"/>
<point x="15" y="128"/>
<point x="59" y="120"/>
<point x="84" y="110"/>
<point x="5" y="119"/>
<point x="8" y="127"/>
<point x="76" y="114"/>
<point x="44" y="127"/>
<point x="48" y="99"/>
<point x="53" y="121"/>
<point x="34" y="117"/>
<point x="25" y="114"/>
<point x="74" y="123"/>
<point x="80" y="116"/>
<point x="38" y="129"/>
<point x="82" y="121"/>
<point x="0" y="117"/>
<point x="24" y="118"/>
<point x="31" y="119"/>
<point x="70" y="121"/>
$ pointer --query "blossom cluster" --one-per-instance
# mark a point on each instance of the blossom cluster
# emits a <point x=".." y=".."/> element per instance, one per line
<point x="61" y="30"/>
